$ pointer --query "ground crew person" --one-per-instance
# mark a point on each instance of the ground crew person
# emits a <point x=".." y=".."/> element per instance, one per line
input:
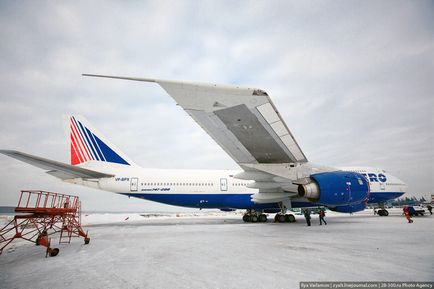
<point x="407" y="214"/>
<point x="307" y="216"/>
<point x="321" y="214"/>
<point x="429" y="209"/>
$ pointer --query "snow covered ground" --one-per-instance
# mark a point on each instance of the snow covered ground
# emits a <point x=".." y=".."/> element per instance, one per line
<point x="218" y="250"/>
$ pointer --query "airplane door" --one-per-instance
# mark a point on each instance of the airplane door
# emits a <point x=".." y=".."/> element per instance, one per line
<point x="347" y="196"/>
<point x="223" y="184"/>
<point x="134" y="184"/>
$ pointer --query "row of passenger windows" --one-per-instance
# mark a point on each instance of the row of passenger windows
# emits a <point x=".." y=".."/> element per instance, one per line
<point x="179" y="184"/>
<point x="189" y="184"/>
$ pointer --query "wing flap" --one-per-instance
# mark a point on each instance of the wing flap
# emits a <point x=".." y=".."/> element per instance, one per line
<point x="54" y="168"/>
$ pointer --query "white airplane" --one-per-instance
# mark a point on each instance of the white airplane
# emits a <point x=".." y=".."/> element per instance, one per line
<point x="275" y="176"/>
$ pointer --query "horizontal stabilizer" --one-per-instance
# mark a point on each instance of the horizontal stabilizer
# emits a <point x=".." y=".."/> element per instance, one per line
<point x="57" y="169"/>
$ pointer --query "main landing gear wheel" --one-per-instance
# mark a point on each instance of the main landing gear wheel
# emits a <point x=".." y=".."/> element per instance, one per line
<point x="246" y="218"/>
<point x="262" y="218"/>
<point x="290" y="218"/>
<point x="287" y="218"/>
<point x="254" y="218"/>
<point x="383" y="212"/>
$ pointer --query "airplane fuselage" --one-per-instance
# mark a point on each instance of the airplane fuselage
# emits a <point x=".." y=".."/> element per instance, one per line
<point x="218" y="189"/>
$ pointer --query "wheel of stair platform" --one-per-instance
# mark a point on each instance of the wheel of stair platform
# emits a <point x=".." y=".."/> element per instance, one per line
<point x="54" y="252"/>
<point x="86" y="240"/>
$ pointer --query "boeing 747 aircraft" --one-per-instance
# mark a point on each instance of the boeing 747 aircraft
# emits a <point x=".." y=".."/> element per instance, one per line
<point x="275" y="177"/>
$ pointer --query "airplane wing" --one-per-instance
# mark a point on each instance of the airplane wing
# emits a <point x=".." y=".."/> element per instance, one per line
<point x="246" y="124"/>
<point x="54" y="168"/>
<point x="243" y="121"/>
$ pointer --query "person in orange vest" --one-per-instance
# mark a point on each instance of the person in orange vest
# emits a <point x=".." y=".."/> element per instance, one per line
<point x="407" y="214"/>
<point x="321" y="214"/>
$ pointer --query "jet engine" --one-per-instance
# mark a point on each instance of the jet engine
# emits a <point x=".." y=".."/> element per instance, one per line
<point x="339" y="188"/>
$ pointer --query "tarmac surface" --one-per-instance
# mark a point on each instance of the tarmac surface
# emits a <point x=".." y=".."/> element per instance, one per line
<point x="223" y="252"/>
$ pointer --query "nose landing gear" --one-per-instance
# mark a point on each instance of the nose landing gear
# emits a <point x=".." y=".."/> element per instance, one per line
<point x="382" y="211"/>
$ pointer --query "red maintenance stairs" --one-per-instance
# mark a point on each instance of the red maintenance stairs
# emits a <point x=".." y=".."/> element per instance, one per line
<point x="40" y="215"/>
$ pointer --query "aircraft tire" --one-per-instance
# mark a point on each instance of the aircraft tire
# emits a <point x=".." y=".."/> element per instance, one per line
<point x="246" y="218"/>
<point x="253" y="218"/>
<point x="290" y="218"/>
<point x="262" y="218"/>
<point x="281" y="218"/>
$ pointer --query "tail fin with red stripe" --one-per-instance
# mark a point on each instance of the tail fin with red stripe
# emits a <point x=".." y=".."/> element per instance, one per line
<point x="87" y="144"/>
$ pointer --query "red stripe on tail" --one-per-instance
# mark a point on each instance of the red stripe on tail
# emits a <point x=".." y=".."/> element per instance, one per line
<point x="74" y="158"/>
<point x="80" y="141"/>
<point x="81" y="156"/>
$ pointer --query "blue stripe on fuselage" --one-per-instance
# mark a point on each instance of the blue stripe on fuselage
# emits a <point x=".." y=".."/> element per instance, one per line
<point x="236" y="201"/>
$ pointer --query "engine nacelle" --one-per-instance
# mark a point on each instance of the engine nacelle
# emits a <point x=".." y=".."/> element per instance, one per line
<point x="349" y="208"/>
<point x="338" y="188"/>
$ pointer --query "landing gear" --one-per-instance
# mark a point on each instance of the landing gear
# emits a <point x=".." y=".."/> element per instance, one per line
<point x="254" y="217"/>
<point x="262" y="218"/>
<point x="383" y="212"/>
<point x="290" y="218"/>
<point x="246" y="218"/>
<point x="284" y="218"/>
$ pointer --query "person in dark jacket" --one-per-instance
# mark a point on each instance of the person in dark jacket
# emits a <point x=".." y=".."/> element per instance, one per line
<point x="307" y="216"/>
<point x="429" y="209"/>
<point x="321" y="214"/>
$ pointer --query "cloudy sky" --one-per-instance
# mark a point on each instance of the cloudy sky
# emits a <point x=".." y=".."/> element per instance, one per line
<point x="354" y="81"/>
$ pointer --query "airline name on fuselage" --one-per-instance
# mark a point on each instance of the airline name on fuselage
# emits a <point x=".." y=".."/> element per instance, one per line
<point x="375" y="178"/>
